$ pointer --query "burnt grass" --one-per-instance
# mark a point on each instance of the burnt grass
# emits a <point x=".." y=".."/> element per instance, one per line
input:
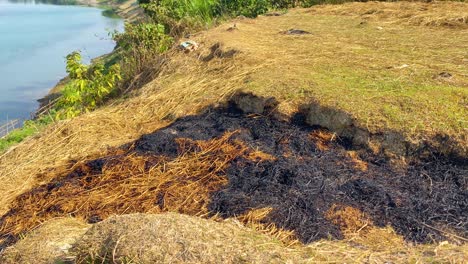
<point x="423" y="201"/>
<point x="307" y="178"/>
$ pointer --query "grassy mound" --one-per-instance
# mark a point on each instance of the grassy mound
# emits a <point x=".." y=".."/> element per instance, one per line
<point x="174" y="238"/>
<point x="48" y="243"/>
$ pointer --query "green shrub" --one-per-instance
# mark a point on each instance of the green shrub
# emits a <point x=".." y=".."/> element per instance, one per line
<point x="15" y="137"/>
<point x="179" y="15"/>
<point x="248" y="8"/>
<point x="87" y="88"/>
<point x="146" y="36"/>
<point x="140" y="50"/>
<point x="294" y="3"/>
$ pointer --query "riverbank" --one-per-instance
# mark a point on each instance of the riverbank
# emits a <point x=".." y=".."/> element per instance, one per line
<point x="128" y="10"/>
<point x="25" y="48"/>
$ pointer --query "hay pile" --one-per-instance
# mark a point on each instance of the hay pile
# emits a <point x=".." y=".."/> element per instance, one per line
<point x="146" y="238"/>
<point x="174" y="238"/>
<point x="49" y="243"/>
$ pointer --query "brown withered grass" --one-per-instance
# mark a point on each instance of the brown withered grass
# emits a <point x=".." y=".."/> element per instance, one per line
<point x="129" y="184"/>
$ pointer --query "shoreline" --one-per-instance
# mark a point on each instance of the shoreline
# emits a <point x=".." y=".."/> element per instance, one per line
<point x="42" y="98"/>
<point x="126" y="11"/>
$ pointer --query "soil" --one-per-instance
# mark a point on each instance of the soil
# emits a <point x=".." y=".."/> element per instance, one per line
<point x="295" y="32"/>
<point x="307" y="173"/>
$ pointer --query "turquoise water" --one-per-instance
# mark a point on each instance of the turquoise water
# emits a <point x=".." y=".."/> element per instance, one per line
<point x="34" y="40"/>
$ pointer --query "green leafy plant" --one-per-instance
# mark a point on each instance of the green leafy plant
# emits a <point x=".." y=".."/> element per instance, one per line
<point x="147" y="36"/>
<point x="180" y="15"/>
<point x="140" y="50"/>
<point x="248" y="8"/>
<point x="88" y="87"/>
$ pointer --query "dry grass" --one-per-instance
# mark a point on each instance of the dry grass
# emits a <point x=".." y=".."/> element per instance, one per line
<point x="349" y="219"/>
<point x="255" y="219"/>
<point x="128" y="184"/>
<point x="438" y="14"/>
<point x="174" y="238"/>
<point x="48" y="243"/>
<point x="382" y="245"/>
<point x="345" y="64"/>
<point x="359" y="69"/>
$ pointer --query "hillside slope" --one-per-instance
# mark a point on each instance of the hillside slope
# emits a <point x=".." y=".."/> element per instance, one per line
<point x="251" y="145"/>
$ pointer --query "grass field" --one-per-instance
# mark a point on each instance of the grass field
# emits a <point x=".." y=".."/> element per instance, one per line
<point x="388" y="73"/>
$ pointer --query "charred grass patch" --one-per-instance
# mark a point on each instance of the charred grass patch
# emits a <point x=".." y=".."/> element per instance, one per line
<point x="278" y="175"/>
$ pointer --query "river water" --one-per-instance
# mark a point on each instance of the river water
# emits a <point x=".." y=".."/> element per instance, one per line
<point x="34" y="40"/>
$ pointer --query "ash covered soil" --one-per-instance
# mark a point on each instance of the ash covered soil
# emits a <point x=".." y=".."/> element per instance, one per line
<point x="306" y="173"/>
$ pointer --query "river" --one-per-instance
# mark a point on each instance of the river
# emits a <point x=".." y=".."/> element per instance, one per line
<point x="34" y="40"/>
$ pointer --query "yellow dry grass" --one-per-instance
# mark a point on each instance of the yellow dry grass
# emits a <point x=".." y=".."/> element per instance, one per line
<point x="446" y="13"/>
<point x="48" y="243"/>
<point x="174" y="238"/>
<point x="344" y="64"/>
<point x="94" y="133"/>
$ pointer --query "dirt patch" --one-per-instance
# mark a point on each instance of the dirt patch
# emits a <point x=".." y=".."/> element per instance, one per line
<point x="295" y="32"/>
<point x="216" y="51"/>
<point x="388" y="143"/>
<point x="227" y="163"/>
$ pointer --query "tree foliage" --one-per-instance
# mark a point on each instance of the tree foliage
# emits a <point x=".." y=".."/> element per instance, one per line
<point x="88" y="87"/>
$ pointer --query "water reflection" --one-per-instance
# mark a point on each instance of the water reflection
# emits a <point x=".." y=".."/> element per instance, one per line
<point x="36" y="37"/>
<point x="52" y="2"/>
